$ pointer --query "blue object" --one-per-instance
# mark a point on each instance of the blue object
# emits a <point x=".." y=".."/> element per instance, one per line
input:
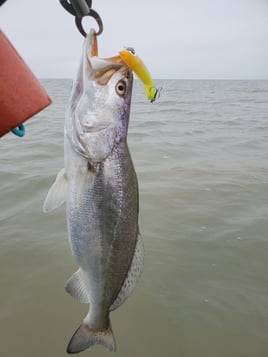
<point x="19" y="131"/>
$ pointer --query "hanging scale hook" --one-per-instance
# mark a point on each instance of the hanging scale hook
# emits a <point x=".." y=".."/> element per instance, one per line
<point x="80" y="9"/>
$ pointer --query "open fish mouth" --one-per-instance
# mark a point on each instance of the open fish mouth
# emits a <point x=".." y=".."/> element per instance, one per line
<point x="104" y="68"/>
<point x="101" y="69"/>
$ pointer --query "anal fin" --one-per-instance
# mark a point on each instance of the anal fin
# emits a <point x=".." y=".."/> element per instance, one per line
<point x="76" y="288"/>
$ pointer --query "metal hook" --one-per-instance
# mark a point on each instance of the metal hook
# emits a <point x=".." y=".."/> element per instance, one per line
<point x="80" y="9"/>
<point x="96" y="16"/>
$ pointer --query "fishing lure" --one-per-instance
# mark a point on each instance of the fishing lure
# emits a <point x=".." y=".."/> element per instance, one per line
<point x="138" y="67"/>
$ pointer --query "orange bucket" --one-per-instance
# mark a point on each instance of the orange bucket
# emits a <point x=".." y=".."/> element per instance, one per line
<point x="21" y="94"/>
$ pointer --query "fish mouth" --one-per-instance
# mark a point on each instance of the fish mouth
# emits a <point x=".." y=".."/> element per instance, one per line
<point x="100" y="69"/>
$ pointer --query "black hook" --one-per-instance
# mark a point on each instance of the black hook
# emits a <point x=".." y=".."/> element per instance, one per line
<point x="80" y="9"/>
<point x="96" y="16"/>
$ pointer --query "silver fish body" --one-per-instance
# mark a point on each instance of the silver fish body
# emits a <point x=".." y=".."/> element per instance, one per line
<point x="99" y="185"/>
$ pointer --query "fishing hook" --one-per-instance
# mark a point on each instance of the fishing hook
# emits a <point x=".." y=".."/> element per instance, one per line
<point x="80" y="9"/>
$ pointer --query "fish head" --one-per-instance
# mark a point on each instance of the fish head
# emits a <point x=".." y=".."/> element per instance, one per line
<point x="100" y="103"/>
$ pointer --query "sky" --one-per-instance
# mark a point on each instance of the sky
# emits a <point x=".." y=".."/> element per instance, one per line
<point x="176" y="39"/>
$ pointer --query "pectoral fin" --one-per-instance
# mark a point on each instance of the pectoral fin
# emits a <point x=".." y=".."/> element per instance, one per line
<point x="56" y="195"/>
<point x="132" y="276"/>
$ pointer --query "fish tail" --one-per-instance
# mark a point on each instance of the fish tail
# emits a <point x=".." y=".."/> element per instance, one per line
<point x="84" y="337"/>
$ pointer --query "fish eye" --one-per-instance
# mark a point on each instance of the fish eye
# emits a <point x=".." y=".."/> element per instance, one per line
<point x="121" y="88"/>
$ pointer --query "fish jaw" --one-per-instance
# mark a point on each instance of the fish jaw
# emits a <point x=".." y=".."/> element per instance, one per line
<point x="100" y="104"/>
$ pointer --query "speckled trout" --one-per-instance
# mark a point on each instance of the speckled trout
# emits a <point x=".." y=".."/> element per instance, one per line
<point x="99" y="185"/>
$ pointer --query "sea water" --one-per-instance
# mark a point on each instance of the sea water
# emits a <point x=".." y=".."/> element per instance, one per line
<point x="201" y="156"/>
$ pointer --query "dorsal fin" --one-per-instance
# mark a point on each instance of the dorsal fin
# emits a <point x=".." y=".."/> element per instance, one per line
<point x="132" y="275"/>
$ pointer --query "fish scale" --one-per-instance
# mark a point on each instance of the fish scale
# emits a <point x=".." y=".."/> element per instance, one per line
<point x="114" y="222"/>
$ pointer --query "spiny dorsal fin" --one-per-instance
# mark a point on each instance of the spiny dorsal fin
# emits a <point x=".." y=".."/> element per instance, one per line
<point x="56" y="195"/>
<point x="132" y="275"/>
<point x="76" y="288"/>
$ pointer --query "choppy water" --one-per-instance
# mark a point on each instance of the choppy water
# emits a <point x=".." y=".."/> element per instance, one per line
<point x="201" y="155"/>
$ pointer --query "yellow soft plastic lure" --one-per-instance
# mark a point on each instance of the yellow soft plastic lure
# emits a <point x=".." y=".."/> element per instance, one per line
<point x="136" y="64"/>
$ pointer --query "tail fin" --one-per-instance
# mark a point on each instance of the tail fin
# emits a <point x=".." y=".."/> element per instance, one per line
<point x="84" y="337"/>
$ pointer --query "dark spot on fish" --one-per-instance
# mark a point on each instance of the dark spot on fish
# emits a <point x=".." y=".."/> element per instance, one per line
<point x="91" y="167"/>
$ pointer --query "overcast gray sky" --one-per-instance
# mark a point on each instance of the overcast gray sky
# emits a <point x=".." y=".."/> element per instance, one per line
<point x="201" y="39"/>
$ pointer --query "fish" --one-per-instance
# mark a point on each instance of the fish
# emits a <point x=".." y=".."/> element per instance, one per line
<point x="100" y="188"/>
